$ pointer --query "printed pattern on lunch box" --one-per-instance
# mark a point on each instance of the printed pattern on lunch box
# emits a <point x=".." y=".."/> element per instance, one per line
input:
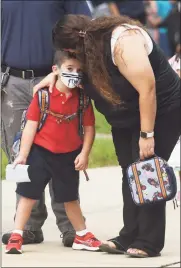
<point x="151" y="181"/>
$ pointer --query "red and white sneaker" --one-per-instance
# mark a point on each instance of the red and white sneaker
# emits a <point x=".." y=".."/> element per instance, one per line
<point x="14" y="245"/>
<point x="86" y="242"/>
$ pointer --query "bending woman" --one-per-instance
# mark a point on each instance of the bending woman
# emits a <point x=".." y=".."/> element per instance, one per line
<point x="135" y="88"/>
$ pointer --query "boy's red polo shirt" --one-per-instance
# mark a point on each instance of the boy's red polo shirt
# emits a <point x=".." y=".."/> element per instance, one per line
<point x="63" y="137"/>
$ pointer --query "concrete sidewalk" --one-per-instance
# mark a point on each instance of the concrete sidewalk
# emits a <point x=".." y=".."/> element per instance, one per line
<point x="102" y="205"/>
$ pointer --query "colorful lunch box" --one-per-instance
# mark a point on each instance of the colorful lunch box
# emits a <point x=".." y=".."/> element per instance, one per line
<point x="151" y="181"/>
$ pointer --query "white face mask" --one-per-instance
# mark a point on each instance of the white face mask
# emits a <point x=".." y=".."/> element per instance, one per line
<point x="70" y="80"/>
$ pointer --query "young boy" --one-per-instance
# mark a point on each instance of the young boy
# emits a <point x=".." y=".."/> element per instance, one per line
<point x="56" y="152"/>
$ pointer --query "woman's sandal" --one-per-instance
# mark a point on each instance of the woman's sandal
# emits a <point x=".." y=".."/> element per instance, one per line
<point x="139" y="253"/>
<point x="111" y="250"/>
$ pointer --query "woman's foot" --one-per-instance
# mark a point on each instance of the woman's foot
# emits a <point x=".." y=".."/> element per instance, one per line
<point x="137" y="252"/>
<point x="111" y="247"/>
<point x="109" y="243"/>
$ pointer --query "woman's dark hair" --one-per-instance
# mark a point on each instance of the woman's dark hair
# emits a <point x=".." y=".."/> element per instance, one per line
<point x="90" y="46"/>
<point x="60" y="56"/>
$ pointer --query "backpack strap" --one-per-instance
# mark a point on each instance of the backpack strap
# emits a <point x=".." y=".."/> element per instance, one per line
<point x="83" y="105"/>
<point x="23" y="120"/>
<point x="86" y="101"/>
<point x="43" y="102"/>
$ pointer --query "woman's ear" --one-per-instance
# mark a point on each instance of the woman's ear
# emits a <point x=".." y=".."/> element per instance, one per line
<point x="55" y="69"/>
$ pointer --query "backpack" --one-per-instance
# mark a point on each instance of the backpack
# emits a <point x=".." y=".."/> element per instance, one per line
<point x="44" y="103"/>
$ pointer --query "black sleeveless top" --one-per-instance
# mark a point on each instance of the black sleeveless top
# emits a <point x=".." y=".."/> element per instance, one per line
<point x="127" y="115"/>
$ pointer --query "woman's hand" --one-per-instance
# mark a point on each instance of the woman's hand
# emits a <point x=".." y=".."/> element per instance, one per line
<point x="81" y="162"/>
<point x="48" y="81"/>
<point x="146" y="147"/>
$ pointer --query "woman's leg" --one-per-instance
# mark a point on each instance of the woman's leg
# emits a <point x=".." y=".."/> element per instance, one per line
<point x="130" y="215"/>
<point x="151" y="219"/>
<point x="122" y="142"/>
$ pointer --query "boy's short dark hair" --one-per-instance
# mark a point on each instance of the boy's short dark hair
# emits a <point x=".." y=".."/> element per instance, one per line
<point x="60" y="56"/>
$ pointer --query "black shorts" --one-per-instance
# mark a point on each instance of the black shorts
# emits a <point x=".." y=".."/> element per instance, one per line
<point x="44" y="166"/>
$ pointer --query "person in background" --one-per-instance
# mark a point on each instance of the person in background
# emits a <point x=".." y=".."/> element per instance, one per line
<point x="172" y="23"/>
<point x="99" y="8"/>
<point x="151" y="12"/>
<point x="163" y="10"/>
<point x="26" y="57"/>
<point x="132" y="9"/>
<point x="103" y="8"/>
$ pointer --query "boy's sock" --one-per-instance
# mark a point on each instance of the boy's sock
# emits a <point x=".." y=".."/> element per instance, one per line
<point x="82" y="233"/>
<point x="20" y="232"/>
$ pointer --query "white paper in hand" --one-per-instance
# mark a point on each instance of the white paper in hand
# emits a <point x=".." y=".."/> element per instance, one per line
<point x="17" y="174"/>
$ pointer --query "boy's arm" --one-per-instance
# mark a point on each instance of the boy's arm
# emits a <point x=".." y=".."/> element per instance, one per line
<point x="89" y="129"/>
<point x="28" y="136"/>
<point x="89" y="135"/>
<point x="81" y="161"/>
